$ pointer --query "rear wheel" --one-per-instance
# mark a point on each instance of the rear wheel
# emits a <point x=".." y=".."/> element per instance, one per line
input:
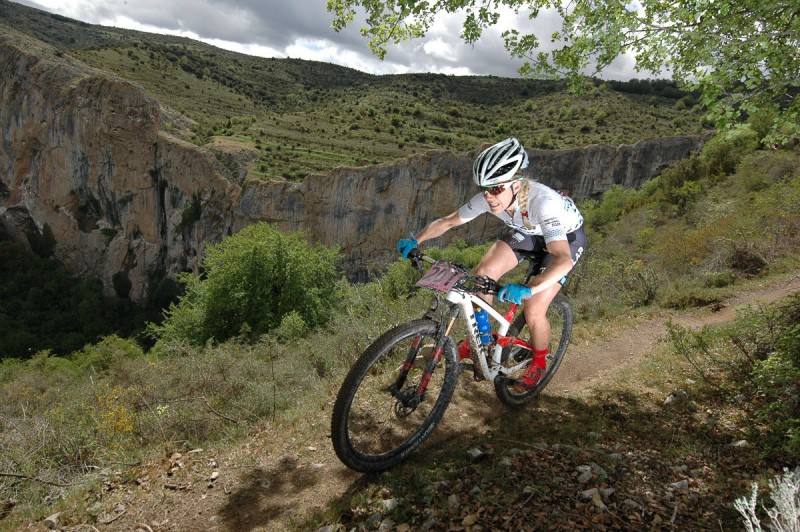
<point x="560" y="316"/>
<point x="374" y="424"/>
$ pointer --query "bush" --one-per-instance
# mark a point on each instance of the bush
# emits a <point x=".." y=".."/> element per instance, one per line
<point x="722" y="154"/>
<point x="637" y="283"/>
<point x="757" y="357"/>
<point x="774" y="342"/>
<point x="251" y="281"/>
<point x="105" y="353"/>
<point x="677" y="187"/>
<point x="616" y="201"/>
<point x="762" y="123"/>
<point x="683" y="197"/>
<point x="784" y="516"/>
<point x="687" y="296"/>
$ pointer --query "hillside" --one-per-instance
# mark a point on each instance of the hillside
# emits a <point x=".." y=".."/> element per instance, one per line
<point x="96" y="160"/>
<point x="127" y="153"/>
<point x="654" y="463"/>
<point x="678" y="391"/>
<point x="306" y="117"/>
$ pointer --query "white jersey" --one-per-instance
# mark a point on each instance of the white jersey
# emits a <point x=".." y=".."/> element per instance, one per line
<point x="552" y="215"/>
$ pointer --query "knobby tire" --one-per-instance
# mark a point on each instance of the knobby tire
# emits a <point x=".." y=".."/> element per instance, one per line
<point x="561" y="320"/>
<point x="368" y="433"/>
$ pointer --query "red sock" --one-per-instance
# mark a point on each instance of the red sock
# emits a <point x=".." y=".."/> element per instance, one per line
<point x="540" y="357"/>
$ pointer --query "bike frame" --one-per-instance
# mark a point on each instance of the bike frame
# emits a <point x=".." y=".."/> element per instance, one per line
<point x="486" y="365"/>
<point x="487" y="360"/>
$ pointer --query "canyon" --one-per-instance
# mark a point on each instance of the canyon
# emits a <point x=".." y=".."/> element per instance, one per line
<point x="88" y="162"/>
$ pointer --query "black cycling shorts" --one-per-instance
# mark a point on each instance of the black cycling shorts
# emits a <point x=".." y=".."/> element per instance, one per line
<point x="532" y="246"/>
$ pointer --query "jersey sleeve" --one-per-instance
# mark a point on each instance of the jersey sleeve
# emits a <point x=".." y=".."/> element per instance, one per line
<point x="476" y="206"/>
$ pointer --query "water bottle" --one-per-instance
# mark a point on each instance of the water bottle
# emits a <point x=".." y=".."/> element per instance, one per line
<point x="484" y="327"/>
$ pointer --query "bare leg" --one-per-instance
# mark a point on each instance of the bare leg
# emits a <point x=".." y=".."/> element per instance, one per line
<point x="536" y="316"/>
<point x="498" y="261"/>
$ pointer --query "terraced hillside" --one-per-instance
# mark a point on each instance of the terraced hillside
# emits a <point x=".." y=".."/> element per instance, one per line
<point x="309" y="117"/>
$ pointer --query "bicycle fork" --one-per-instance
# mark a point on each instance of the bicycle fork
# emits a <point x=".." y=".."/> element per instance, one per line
<point x="409" y="400"/>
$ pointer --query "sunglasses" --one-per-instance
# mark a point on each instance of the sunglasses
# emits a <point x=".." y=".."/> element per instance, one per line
<point x="495" y="190"/>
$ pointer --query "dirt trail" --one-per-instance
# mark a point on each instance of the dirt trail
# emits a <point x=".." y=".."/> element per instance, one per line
<point x="272" y="484"/>
<point x="587" y="364"/>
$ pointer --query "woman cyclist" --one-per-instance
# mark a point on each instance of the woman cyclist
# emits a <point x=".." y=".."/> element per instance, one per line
<point x="540" y="218"/>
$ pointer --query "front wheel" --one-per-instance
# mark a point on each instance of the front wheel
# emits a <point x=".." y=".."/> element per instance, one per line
<point x="560" y="316"/>
<point x="378" y="419"/>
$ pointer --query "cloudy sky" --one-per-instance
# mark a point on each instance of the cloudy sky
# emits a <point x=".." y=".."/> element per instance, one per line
<point x="302" y="29"/>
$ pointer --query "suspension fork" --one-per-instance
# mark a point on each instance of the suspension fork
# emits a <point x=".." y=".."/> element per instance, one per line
<point x="438" y="351"/>
<point x="416" y="345"/>
<point x="412" y="399"/>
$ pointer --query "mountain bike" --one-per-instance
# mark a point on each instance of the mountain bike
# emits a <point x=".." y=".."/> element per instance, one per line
<point x="398" y="389"/>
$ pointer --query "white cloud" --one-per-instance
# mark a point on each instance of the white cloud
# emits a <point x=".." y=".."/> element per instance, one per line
<point x="440" y="49"/>
<point x="301" y="29"/>
<point x="329" y="52"/>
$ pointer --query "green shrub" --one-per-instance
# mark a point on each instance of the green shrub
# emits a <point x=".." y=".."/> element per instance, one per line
<point x="398" y="280"/>
<point x="292" y="326"/>
<point x="674" y="177"/>
<point x="637" y="283"/>
<point x="192" y="212"/>
<point x="461" y="252"/>
<point x="683" y="197"/>
<point x="616" y="201"/>
<point x="722" y="154"/>
<point x="253" y="279"/>
<point x="771" y="339"/>
<point x="105" y="353"/>
<point x="763" y="122"/>
<point x="719" y="279"/>
<point x="758" y="358"/>
<point x="687" y="296"/>
<point x="777" y="379"/>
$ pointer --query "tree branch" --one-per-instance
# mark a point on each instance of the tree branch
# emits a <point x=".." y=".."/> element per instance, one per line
<point x="223" y="416"/>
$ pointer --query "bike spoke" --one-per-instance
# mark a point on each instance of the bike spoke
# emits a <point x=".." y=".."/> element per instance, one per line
<point x="380" y="420"/>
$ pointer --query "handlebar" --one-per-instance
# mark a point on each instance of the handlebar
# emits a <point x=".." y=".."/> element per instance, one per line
<point x="477" y="283"/>
<point x="417" y="258"/>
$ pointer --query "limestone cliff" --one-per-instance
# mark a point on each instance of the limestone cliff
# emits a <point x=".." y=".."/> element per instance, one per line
<point x="84" y="154"/>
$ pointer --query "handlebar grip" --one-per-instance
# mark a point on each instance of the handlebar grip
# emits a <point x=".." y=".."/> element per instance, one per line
<point x="415" y="256"/>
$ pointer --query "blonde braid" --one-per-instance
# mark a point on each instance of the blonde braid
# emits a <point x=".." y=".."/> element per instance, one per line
<point x="522" y="202"/>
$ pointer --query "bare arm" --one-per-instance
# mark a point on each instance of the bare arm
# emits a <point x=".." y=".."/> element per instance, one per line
<point x="441" y="226"/>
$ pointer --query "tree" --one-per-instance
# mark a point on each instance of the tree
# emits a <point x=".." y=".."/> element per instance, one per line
<point x="250" y="282"/>
<point x="741" y="55"/>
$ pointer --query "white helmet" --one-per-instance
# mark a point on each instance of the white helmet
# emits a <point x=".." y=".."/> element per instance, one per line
<point x="499" y="164"/>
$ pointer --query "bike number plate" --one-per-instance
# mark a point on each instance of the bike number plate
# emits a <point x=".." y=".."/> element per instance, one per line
<point x="440" y="277"/>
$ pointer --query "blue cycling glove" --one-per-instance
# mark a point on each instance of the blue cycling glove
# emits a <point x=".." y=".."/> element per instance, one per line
<point x="514" y="293"/>
<point x="405" y="245"/>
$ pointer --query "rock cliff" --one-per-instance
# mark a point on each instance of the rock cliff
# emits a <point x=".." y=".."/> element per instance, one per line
<point x="84" y="156"/>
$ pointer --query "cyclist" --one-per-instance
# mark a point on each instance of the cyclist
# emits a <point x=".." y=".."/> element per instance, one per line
<point x="540" y="218"/>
